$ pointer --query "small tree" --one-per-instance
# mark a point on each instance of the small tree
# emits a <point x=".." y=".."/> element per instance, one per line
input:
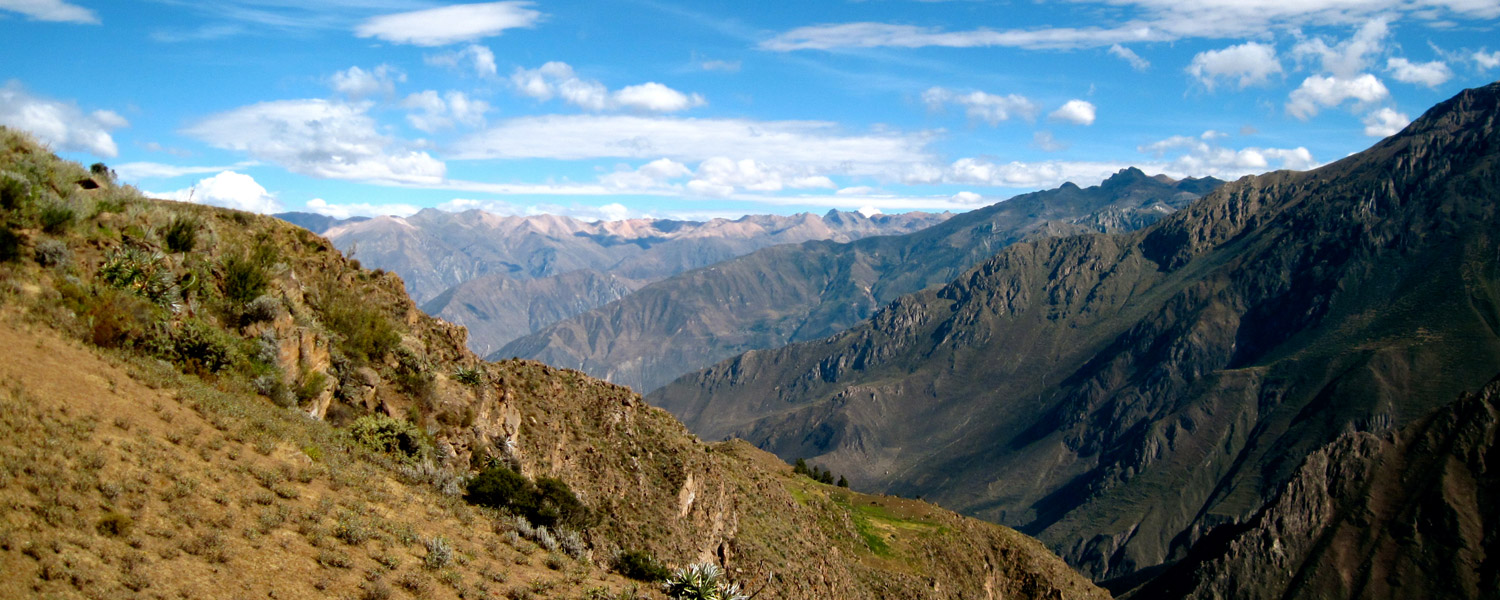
<point x="843" y="482"/>
<point x="801" y="467"/>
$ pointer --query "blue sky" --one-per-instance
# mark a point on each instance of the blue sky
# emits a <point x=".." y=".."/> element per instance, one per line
<point x="627" y="108"/>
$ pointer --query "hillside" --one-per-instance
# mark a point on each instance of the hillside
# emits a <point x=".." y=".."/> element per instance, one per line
<point x="787" y="294"/>
<point x="514" y="263"/>
<point x="1134" y="399"/>
<point x="207" y="403"/>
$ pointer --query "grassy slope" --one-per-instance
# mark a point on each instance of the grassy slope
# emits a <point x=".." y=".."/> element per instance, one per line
<point x="228" y="494"/>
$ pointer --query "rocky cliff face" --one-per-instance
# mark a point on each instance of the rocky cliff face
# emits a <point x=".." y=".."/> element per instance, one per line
<point x="795" y="293"/>
<point x="1129" y="398"/>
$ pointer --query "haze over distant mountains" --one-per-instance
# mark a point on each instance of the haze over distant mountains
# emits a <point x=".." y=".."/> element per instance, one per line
<point x="807" y="291"/>
<point x="505" y="276"/>
<point x="1262" y="396"/>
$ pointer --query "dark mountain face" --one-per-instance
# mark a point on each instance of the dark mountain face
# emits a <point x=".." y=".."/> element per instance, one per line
<point x="788" y="294"/>
<point x="498" y="308"/>
<point x="1135" y="399"/>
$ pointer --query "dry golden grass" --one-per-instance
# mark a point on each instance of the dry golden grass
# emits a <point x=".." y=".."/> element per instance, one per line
<point x="112" y="488"/>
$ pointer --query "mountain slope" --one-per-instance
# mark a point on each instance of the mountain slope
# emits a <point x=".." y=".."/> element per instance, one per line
<point x="794" y="293"/>
<point x="1123" y="397"/>
<point x="478" y="255"/>
<point x="200" y="402"/>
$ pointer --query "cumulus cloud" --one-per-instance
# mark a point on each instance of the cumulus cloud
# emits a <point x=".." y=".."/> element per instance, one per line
<point x="61" y="125"/>
<point x="1250" y="63"/>
<point x="720" y="176"/>
<point x="558" y="80"/>
<point x="449" y="24"/>
<point x="432" y="111"/>
<point x="1204" y="155"/>
<point x="1486" y="60"/>
<point x="229" y="190"/>
<point x="991" y="108"/>
<point x="320" y="138"/>
<point x="1077" y="112"/>
<point x="479" y="58"/>
<point x="1385" y="122"/>
<point x="1129" y="56"/>
<point x="1430" y="74"/>
<point x="612" y="211"/>
<point x="51" y="10"/>
<point x="1347" y="58"/>
<point x="652" y="175"/>
<point x="818" y="145"/>
<point x="357" y="83"/>
<point x="359" y="209"/>
<point x="1319" y="91"/>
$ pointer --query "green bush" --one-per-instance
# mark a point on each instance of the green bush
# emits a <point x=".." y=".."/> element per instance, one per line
<point x="116" y="319"/>
<point x="548" y="502"/>
<point x="641" y="566"/>
<point x="198" y="347"/>
<point x="364" y="333"/>
<point x="14" y="192"/>
<point x="244" y="280"/>
<point x="312" y="385"/>
<point x="10" y="244"/>
<point x="145" y="272"/>
<point x="181" y="234"/>
<point x="385" y="434"/>
<point x="55" y="218"/>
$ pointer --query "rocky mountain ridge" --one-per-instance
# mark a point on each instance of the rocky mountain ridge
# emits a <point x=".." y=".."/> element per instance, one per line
<point x="508" y="263"/>
<point x="795" y="293"/>
<point x="1134" y="399"/>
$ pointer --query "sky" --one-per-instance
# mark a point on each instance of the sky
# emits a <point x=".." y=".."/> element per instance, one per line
<point x="610" y="109"/>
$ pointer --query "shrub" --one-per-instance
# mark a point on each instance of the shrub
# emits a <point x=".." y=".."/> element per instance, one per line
<point x="117" y="320"/>
<point x="55" y="218"/>
<point x="244" y="280"/>
<point x="52" y="253"/>
<point x="364" y="333"/>
<point x="14" y="192"/>
<point x="547" y="503"/>
<point x="439" y="553"/>
<point x="102" y="171"/>
<point x="312" y="385"/>
<point x="142" y="271"/>
<point x="181" y="234"/>
<point x="641" y="566"/>
<point x="467" y="376"/>
<point x="382" y="433"/>
<point x="115" y="524"/>
<point x="701" y="581"/>
<point x="200" y="348"/>
<point x="261" y="309"/>
<point x="272" y="386"/>
<point x="10" y="244"/>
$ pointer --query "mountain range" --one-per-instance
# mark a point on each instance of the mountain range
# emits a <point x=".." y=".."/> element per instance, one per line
<point x="506" y="276"/>
<point x="1261" y="395"/>
<point x="794" y="293"/>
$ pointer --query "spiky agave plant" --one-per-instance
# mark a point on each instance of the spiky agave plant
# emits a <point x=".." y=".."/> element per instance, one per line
<point x="701" y="581"/>
<point x="144" y="272"/>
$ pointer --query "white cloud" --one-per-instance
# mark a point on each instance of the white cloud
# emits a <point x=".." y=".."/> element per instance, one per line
<point x="720" y="176"/>
<point x="652" y="175"/>
<point x="1077" y="112"/>
<point x="1319" y="91"/>
<point x="61" y="125"/>
<point x="1430" y="74"/>
<point x="51" y="10"/>
<point x="1129" y="56"/>
<point x="1385" y="122"/>
<point x="437" y="112"/>
<point x="557" y="79"/>
<point x="817" y="145"/>
<point x="613" y="211"/>
<point x="229" y="190"/>
<point x="480" y="58"/>
<point x="135" y="171"/>
<point x="358" y="83"/>
<point x="656" y="97"/>
<point x="868" y="211"/>
<point x="359" y="209"/>
<point x="720" y="65"/>
<point x="968" y="198"/>
<point x="1486" y="60"/>
<point x="990" y="108"/>
<point x="449" y="24"/>
<point x="320" y="138"/>
<point x="1251" y="63"/>
<point x="1203" y="155"/>
<point x="1155" y="21"/>
<point x="1045" y="141"/>
<point x="1348" y="58"/>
